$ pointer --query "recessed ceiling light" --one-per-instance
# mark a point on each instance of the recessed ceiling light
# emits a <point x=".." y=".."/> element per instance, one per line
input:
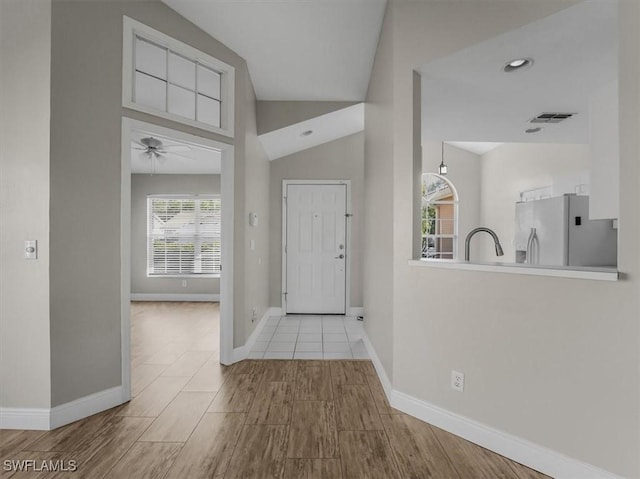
<point x="533" y="130"/>
<point x="306" y="133"/>
<point x="518" y="64"/>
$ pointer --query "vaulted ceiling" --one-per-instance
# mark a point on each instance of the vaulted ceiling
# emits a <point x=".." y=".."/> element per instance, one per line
<point x="296" y="49"/>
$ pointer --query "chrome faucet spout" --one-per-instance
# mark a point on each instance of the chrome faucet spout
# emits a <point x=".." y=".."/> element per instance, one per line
<point x="467" y="241"/>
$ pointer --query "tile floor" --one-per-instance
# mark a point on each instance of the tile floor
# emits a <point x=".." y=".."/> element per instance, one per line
<point x="310" y="337"/>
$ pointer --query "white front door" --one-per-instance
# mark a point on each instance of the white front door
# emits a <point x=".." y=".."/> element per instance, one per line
<point x="315" y="248"/>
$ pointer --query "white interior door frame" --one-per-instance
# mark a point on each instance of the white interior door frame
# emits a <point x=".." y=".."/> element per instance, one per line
<point x="226" y="278"/>
<point x="286" y="183"/>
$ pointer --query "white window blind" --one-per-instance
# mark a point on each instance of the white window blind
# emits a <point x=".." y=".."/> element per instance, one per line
<point x="183" y="235"/>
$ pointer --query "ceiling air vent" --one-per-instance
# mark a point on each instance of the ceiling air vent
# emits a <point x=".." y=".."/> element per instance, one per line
<point x="551" y="117"/>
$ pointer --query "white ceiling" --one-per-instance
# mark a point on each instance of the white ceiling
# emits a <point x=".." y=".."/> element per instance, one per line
<point x="468" y="97"/>
<point x="182" y="158"/>
<point x="324" y="128"/>
<point x="296" y="49"/>
<point x="477" y="147"/>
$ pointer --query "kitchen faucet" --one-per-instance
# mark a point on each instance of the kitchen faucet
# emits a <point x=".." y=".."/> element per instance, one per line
<point x="467" y="241"/>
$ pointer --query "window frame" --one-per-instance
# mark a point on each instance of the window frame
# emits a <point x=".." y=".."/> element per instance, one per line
<point x="454" y="203"/>
<point x="150" y="236"/>
<point x="133" y="29"/>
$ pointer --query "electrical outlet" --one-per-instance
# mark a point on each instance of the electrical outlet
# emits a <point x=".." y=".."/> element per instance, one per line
<point x="184" y="283"/>
<point x="254" y="315"/>
<point x="457" y="380"/>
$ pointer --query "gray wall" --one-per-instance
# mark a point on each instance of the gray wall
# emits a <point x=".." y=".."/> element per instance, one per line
<point x="252" y="195"/>
<point x="86" y="116"/>
<point x="25" y="374"/>
<point x="141" y="186"/>
<point x="378" y="196"/>
<point x="273" y="115"/>
<point x="341" y="159"/>
<point x="542" y="356"/>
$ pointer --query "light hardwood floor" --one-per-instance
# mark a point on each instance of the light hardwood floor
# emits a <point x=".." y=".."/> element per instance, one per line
<point x="193" y="418"/>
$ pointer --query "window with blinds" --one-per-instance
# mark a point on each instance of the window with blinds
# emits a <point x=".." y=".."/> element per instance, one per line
<point x="183" y="235"/>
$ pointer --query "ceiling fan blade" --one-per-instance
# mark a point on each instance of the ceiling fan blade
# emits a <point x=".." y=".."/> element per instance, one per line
<point x="139" y="148"/>
<point x="137" y="142"/>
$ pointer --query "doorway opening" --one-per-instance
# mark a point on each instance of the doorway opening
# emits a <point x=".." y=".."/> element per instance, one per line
<point x="176" y="227"/>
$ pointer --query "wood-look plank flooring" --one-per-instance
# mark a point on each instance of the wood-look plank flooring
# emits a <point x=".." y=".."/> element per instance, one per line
<point x="192" y="418"/>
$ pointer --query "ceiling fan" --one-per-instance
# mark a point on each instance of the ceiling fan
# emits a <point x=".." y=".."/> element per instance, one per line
<point x="155" y="150"/>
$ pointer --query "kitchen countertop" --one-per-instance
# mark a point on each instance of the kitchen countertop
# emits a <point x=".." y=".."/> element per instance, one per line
<point x="576" y="272"/>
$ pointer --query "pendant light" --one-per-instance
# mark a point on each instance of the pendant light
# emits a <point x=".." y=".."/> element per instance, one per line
<point x="442" y="169"/>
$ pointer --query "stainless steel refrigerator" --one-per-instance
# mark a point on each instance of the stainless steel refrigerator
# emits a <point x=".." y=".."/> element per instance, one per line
<point x="564" y="235"/>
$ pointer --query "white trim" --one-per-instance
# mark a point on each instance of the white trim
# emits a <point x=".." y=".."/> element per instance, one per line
<point x="575" y="272"/>
<point x="86" y="406"/>
<point x="227" y="235"/>
<point x="195" y="297"/>
<point x="24" y="418"/>
<point x="125" y="258"/>
<point x="285" y="183"/>
<point x="242" y="352"/>
<point x="377" y="364"/>
<point x="520" y="450"/>
<point x="517" y="449"/>
<point x="130" y="29"/>
<point x="47" y="419"/>
<point x="226" y="281"/>
<point x="356" y="311"/>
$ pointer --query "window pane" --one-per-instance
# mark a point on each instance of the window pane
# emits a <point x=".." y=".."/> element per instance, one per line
<point x="151" y="59"/>
<point x="208" y="82"/>
<point x="182" y="71"/>
<point x="150" y="91"/>
<point x="182" y="102"/>
<point x="183" y="236"/>
<point x="208" y="110"/>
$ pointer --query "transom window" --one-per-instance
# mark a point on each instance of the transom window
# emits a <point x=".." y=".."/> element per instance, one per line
<point x="183" y="235"/>
<point x="439" y="218"/>
<point x="167" y="78"/>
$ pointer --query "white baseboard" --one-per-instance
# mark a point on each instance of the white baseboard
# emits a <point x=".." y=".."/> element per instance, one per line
<point x="47" y="419"/>
<point x="520" y="450"/>
<point x="191" y="297"/>
<point x="242" y="352"/>
<point x="537" y="457"/>
<point x="382" y="374"/>
<point x="356" y="311"/>
<point x="24" y="418"/>
<point x="86" y="406"/>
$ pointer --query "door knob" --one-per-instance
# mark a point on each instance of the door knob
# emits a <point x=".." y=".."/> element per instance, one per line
<point x="340" y="256"/>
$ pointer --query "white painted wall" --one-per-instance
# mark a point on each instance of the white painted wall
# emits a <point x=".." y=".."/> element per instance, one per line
<point x="506" y="171"/>
<point x="25" y="363"/>
<point x="141" y="187"/>
<point x="542" y="356"/>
